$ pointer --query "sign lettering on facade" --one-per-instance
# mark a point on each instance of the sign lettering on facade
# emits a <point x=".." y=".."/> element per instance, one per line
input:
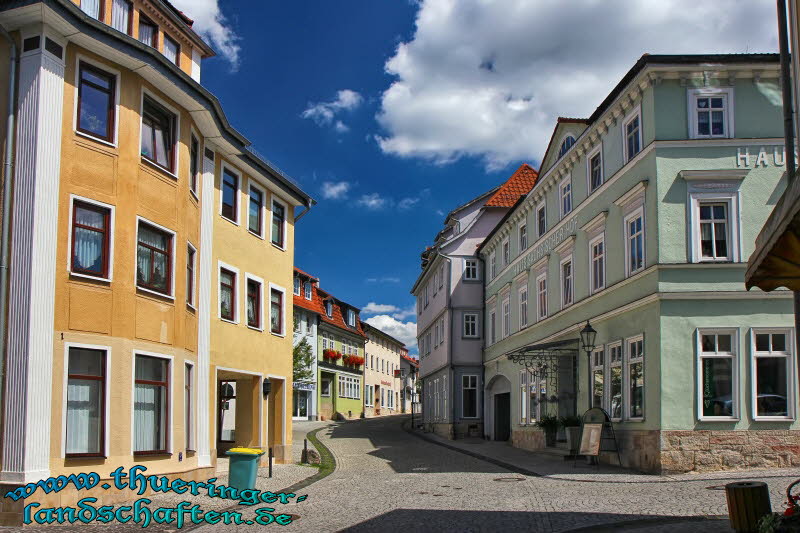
<point x="569" y="228"/>
<point x="745" y="158"/>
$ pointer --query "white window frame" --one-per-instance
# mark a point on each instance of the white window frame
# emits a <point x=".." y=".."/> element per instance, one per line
<point x="111" y="208"/>
<point x="170" y="399"/>
<point x="427" y="295"/>
<point x="629" y="361"/>
<point x="493" y="324"/>
<point x="506" y="248"/>
<point x="523" y="396"/>
<point x="633" y="114"/>
<point x="731" y="199"/>
<point x="248" y="276"/>
<point x="593" y="286"/>
<point x="541" y="296"/>
<point x="523" y="306"/>
<point x="106" y="395"/>
<point x="613" y="364"/>
<point x="505" y="307"/>
<point x="477" y="395"/>
<point x="596" y="151"/>
<point x="789" y="356"/>
<point x="275" y="199"/>
<point x="638" y="212"/>
<point x="700" y="355"/>
<point x="307" y="290"/>
<point x="108" y="70"/>
<point x="236" y="302"/>
<point x="297" y="287"/>
<point x="441" y="277"/>
<point x="522" y="236"/>
<point x="468" y="267"/>
<point x="493" y="265"/>
<point x="727" y="93"/>
<point x="351" y="318"/>
<point x="601" y="367"/>
<point x="191" y="445"/>
<point x="284" y="316"/>
<point x="171" y="295"/>
<point x="541" y="206"/>
<point x="562" y="197"/>
<point x="465" y="330"/>
<point x="238" y="210"/>
<point x="567" y="299"/>
<point x="193" y="303"/>
<point x="264" y="196"/>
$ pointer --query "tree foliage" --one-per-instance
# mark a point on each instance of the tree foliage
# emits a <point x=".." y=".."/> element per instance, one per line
<point x="303" y="361"/>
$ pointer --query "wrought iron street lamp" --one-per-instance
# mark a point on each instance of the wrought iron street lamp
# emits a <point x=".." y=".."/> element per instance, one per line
<point x="588" y="335"/>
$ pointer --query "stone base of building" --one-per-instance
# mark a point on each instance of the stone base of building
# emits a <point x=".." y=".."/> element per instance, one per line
<point x="710" y="450"/>
<point x="528" y="438"/>
<point x="459" y="430"/>
<point x="12" y="513"/>
<point x="281" y="454"/>
<point x="444" y="430"/>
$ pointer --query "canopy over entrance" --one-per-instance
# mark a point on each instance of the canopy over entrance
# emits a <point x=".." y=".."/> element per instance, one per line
<point x="776" y="259"/>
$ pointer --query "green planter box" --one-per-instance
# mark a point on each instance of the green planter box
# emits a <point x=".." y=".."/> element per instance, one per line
<point x="243" y="467"/>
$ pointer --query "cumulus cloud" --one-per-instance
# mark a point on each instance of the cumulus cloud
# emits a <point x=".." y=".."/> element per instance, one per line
<point x="325" y="113"/>
<point x="405" y="332"/>
<point x="372" y="201"/>
<point x="385" y="279"/>
<point x="335" y="190"/>
<point x="373" y="308"/>
<point x="488" y="79"/>
<point x="212" y="25"/>
<point x="407" y="203"/>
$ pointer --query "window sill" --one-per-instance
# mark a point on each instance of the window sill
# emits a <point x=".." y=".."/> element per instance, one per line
<point x="278" y="334"/>
<point x="152" y="454"/>
<point x="718" y="419"/>
<point x="773" y="419"/>
<point x="223" y="217"/>
<point x="155" y="293"/>
<point x="100" y="140"/>
<point x="229" y="321"/>
<point x="196" y="198"/>
<point x="254" y="234"/>
<point x="73" y="457"/>
<point x="191" y="307"/>
<point x="254" y="328"/>
<point x="158" y="167"/>
<point x="281" y="248"/>
<point x="89" y="276"/>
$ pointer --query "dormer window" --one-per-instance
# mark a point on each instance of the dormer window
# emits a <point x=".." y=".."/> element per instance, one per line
<point x="566" y="144"/>
<point x="308" y="290"/>
<point x="329" y="308"/>
<point x="297" y="286"/>
<point x="351" y="318"/>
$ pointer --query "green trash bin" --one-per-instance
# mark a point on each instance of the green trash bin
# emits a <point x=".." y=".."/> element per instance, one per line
<point x="243" y="467"/>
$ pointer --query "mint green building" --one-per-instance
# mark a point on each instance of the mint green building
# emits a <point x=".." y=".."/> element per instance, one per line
<point x="642" y="222"/>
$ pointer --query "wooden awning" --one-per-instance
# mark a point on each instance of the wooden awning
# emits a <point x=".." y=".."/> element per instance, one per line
<point x="776" y="259"/>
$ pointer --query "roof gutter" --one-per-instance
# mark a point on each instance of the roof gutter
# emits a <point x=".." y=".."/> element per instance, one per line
<point x="8" y="173"/>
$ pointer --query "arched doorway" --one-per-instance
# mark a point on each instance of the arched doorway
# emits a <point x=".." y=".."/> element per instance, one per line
<point x="498" y="408"/>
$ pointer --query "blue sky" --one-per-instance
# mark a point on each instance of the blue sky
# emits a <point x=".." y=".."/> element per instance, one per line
<point x="390" y="113"/>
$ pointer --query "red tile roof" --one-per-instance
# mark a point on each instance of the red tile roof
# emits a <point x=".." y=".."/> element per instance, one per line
<point x="337" y="319"/>
<point x="309" y="276"/>
<point x="519" y="184"/>
<point x="411" y="360"/>
<point x="317" y="305"/>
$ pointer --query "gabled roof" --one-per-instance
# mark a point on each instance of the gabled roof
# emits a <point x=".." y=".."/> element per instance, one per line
<point x="337" y="320"/>
<point x="520" y="182"/>
<point x="411" y="360"/>
<point x="305" y="274"/>
<point x="550" y="145"/>
<point x="463" y="206"/>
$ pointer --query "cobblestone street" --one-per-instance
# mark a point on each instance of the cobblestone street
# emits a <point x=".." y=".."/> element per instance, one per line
<point x="389" y="480"/>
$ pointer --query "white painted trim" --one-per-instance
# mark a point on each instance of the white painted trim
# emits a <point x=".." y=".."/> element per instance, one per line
<point x="279" y="200"/>
<point x="593" y="152"/>
<point x="224" y="165"/>
<point x="627" y="377"/>
<point x="632" y="114"/>
<point x="171" y="295"/>
<point x="714" y="175"/>
<point x="601" y="237"/>
<point x="506" y="258"/>
<point x="693" y="94"/>
<point x="564" y="261"/>
<point x="621" y="364"/>
<point x="201" y="156"/>
<point x="539" y="315"/>
<point x="283" y="310"/>
<point x="633" y="195"/>
<point x="248" y="276"/>
<point x="80" y="58"/>
<point x="193" y="303"/>
<point x="567" y="180"/>
<point x="111" y="228"/>
<point x="638" y="212"/>
<point x="106" y="395"/>
<point x="236" y="302"/>
<point x="541" y="205"/>
<point x="791" y="375"/>
<point x="176" y="145"/>
<point x="735" y="393"/>
<point x="734" y="232"/>
<point x="171" y="397"/>
<point x="192" y="444"/>
<point x="263" y="216"/>
<point x="524" y="289"/>
<point x="565" y="248"/>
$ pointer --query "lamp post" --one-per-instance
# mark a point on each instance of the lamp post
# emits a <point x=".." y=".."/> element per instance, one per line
<point x="588" y="335"/>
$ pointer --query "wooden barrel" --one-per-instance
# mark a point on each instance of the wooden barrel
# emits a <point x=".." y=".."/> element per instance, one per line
<point x="748" y="501"/>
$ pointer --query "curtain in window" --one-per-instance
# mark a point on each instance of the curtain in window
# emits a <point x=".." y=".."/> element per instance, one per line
<point x="152" y="265"/>
<point x="88" y="243"/>
<point x="171" y="50"/>
<point x="83" y="416"/>
<point x="149" y="420"/>
<point x="251" y="308"/>
<point x="120" y="15"/>
<point x="146" y="33"/>
<point x="91" y="7"/>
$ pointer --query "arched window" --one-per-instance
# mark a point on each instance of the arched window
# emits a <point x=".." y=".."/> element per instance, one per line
<point x="566" y="145"/>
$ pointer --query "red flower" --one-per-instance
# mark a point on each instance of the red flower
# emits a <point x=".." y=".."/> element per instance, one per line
<point x="789" y="511"/>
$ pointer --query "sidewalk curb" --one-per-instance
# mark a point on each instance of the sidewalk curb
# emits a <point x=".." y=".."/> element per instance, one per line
<point x="655" y="521"/>
<point x="491" y="460"/>
<point x="326" y="458"/>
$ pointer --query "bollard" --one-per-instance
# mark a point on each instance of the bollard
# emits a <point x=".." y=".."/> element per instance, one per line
<point x="304" y="455"/>
<point x="748" y="501"/>
<point x="270" y="462"/>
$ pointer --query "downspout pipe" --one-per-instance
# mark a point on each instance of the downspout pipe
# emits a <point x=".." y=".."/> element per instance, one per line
<point x="8" y="173"/>
<point x="788" y="133"/>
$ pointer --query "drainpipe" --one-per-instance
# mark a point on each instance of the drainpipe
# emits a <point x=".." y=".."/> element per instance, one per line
<point x="453" y="386"/>
<point x="8" y="172"/>
<point x="788" y="133"/>
<point x="482" y="322"/>
<point x="307" y="208"/>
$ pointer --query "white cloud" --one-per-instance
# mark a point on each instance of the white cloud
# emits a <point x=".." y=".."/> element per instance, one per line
<point x="373" y="308"/>
<point x="405" y="332"/>
<point x="407" y="203"/>
<point x="210" y="23"/>
<point x="385" y="279"/>
<point x="335" y="190"/>
<point x="488" y="79"/>
<point x="324" y="113"/>
<point x="372" y="201"/>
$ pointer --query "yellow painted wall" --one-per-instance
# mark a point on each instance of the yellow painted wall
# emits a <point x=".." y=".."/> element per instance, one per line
<point x="116" y="314"/>
<point x="237" y="346"/>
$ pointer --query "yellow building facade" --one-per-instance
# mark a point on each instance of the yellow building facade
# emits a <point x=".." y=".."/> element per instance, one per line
<point x="128" y="341"/>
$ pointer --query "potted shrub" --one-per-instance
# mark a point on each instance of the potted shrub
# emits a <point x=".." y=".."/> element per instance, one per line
<point x="550" y="425"/>
<point x="572" y="426"/>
